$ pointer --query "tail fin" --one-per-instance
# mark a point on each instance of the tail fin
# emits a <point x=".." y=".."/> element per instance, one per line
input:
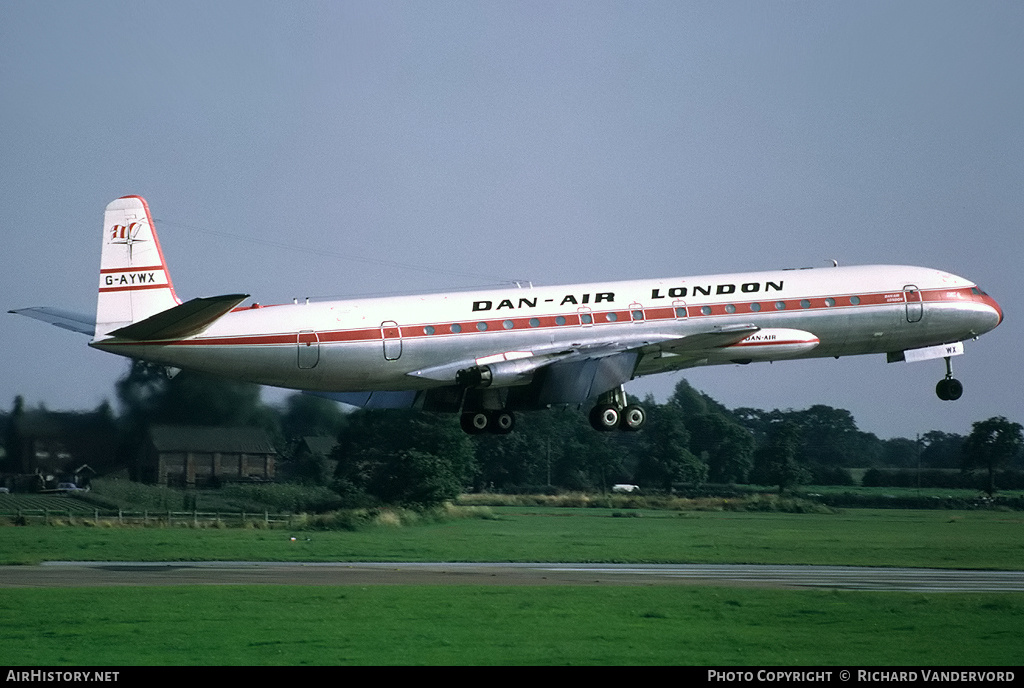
<point x="134" y="281"/>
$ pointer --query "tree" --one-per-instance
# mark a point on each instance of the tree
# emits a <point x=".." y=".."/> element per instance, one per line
<point x="728" y="446"/>
<point x="307" y="415"/>
<point x="776" y="462"/>
<point x="407" y="458"/>
<point x="530" y="456"/>
<point x="665" y="457"/>
<point x="901" y="452"/>
<point x="694" y="403"/>
<point x="941" y="449"/>
<point x="831" y="438"/>
<point x="148" y="396"/>
<point x="992" y="444"/>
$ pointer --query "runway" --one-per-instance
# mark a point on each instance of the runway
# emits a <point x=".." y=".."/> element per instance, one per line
<point x="89" y="574"/>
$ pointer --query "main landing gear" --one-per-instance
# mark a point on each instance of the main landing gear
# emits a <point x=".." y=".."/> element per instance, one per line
<point x="613" y="411"/>
<point x="497" y="422"/>
<point x="949" y="389"/>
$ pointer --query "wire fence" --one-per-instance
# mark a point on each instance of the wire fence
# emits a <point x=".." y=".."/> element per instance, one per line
<point x="146" y="518"/>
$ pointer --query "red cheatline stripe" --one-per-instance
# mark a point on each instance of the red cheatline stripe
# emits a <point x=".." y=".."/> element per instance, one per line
<point x="137" y="287"/>
<point x="109" y="271"/>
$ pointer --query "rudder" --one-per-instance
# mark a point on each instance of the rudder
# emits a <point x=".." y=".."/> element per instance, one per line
<point x="134" y="281"/>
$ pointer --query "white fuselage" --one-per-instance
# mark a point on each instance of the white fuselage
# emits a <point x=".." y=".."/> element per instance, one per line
<point x="388" y="343"/>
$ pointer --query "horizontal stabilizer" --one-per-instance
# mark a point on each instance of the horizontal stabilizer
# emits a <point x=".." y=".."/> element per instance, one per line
<point x="191" y="317"/>
<point x="76" y="322"/>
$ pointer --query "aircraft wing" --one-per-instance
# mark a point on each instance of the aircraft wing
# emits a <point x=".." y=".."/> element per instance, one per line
<point x="595" y="369"/>
<point x="711" y="339"/>
<point x="573" y="375"/>
<point x="76" y="322"/>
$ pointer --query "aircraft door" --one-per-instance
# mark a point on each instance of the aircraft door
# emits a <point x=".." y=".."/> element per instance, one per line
<point x="915" y="306"/>
<point x="309" y="349"/>
<point x="391" y="334"/>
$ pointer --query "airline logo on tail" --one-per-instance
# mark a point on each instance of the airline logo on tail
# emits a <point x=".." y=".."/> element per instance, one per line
<point x="121" y="233"/>
<point x="135" y="277"/>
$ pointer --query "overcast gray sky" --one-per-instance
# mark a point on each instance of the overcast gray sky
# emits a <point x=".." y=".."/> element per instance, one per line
<point x="351" y="148"/>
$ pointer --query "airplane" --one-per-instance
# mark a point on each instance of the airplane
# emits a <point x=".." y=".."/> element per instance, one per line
<point x="488" y="354"/>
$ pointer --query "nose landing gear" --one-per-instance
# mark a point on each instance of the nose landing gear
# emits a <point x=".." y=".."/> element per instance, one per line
<point x="949" y="389"/>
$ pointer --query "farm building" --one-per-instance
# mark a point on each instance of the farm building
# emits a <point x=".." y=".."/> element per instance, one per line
<point x="58" y="446"/>
<point x="181" y="456"/>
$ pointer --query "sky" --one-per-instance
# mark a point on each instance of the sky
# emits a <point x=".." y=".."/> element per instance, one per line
<point x="293" y="149"/>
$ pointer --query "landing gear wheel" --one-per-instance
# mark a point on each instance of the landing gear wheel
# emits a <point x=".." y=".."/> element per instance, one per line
<point x="604" y="417"/>
<point x="474" y="422"/>
<point x="501" y="422"/>
<point x="633" y="418"/>
<point x="949" y="389"/>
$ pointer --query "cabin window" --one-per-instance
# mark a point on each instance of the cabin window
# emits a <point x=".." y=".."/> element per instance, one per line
<point x="755" y="307"/>
<point x="429" y="329"/>
<point x="780" y="305"/>
<point x="830" y="302"/>
<point x="507" y="324"/>
<point x="681" y="312"/>
<point x="456" y="328"/>
<point x="805" y="303"/>
<point x="586" y="318"/>
<point x="730" y="308"/>
<point x="560" y="320"/>
<point x="638" y="315"/>
<point x="855" y="300"/>
<point x="612" y="317"/>
<point x="482" y="326"/>
<point x="706" y="310"/>
<point x="534" y="322"/>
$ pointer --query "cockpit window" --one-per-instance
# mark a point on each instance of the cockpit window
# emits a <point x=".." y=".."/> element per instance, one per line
<point x="978" y="292"/>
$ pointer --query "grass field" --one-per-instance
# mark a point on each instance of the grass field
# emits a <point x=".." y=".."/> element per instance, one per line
<point x="868" y="537"/>
<point x="289" y="625"/>
<point x="254" y="625"/>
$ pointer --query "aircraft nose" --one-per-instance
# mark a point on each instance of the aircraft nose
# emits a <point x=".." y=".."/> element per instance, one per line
<point x="999" y="311"/>
<point x="990" y="302"/>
